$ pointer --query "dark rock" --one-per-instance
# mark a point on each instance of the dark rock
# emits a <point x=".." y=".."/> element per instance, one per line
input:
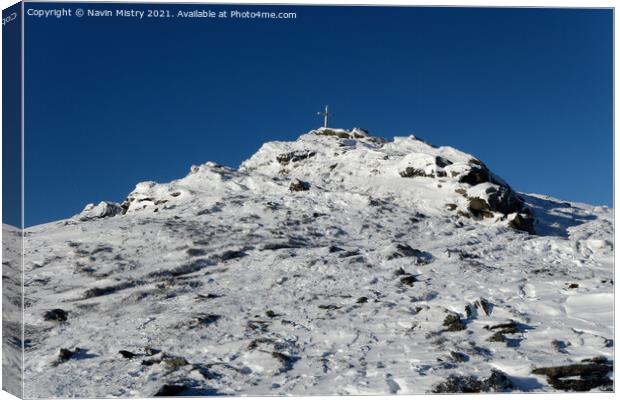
<point x="573" y="286"/>
<point x="208" y="319"/>
<point x="486" y="306"/>
<point x="335" y="249"/>
<point x="451" y="206"/>
<point x="404" y="250"/>
<point x="329" y="307"/>
<point x="331" y="132"/>
<point x="411" y="172"/>
<point x="271" y="314"/>
<point x="408" y="280"/>
<point x="106" y="290"/>
<point x="171" y="390"/>
<point x="523" y="222"/>
<point x="149" y="351"/>
<point x="498" y="382"/>
<point x="471" y="311"/>
<point x="400" y="271"/>
<point x="258" y="325"/>
<point x="578" y="377"/>
<point x="208" y="296"/>
<point x="362" y="300"/>
<point x="66" y="354"/>
<point x="195" y="252"/>
<point x="231" y="255"/>
<point x="453" y="323"/>
<point x="508" y="327"/>
<point x="127" y="354"/>
<point x="299" y="186"/>
<point x="286" y="360"/>
<point x="459" y="384"/>
<point x="442" y="162"/>
<point x="458" y="356"/>
<point x="56" y="314"/>
<point x="497" y="337"/>
<point x="480" y="208"/>
<point x="560" y="346"/>
<point x="294" y="156"/>
<point x="596" y="360"/>
<point x="502" y="199"/>
<point x="461" y="191"/>
<point x="476" y="175"/>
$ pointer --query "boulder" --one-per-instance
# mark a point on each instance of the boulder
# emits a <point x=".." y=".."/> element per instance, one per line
<point x="523" y="222"/>
<point x="475" y="176"/>
<point x="299" y="186"/>
<point x="102" y="210"/>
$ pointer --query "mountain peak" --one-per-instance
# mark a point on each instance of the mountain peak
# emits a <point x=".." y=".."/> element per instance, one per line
<point x="330" y="162"/>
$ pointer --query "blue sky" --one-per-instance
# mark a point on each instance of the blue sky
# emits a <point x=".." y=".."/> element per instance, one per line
<point x="114" y="101"/>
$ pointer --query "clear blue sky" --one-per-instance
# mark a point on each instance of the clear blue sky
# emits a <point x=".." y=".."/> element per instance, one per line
<point x="114" y="101"/>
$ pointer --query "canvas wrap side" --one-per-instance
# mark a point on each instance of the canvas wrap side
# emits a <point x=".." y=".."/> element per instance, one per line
<point x="12" y="201"/>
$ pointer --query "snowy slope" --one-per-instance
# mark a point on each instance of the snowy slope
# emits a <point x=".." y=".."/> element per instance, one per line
<point x="339" y="263"/>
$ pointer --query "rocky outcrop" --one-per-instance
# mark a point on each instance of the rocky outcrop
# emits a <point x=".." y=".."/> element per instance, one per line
<point x="102" y="210"/>
<point x="585" y="376"/>
<point x="498" y="381"/>
<point x="299" y="186"/>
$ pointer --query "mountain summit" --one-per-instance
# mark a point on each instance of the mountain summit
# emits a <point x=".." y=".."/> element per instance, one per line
<point x="339" y="263"/>
<point x="406" y="172"/>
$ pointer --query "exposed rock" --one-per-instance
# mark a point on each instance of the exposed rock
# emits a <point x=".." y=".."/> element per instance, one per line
<point x="286" y="360"/>
<point x="66" y="354"/>
<point x="195" y="252"/>
<point x="458" y="356"/>
<point x="408" y="280"/>
<point x="102" y="210"/>
<point x="480" y="208"/>
<point x="442" y="162"/>
<point x="127" y="354"/>
<point x="475" y="176"/>
<point x="459" y="384"/>
<point x="410" y="172"/>
<point x="299" y="186"/>
<point x="404" y="250"/>
<point x="502" y="199"/>
<point x="400" y="271"/>
<point x="56" y="314"/>
<point x="560" y="345"/>
<point x="333" y="132"/>
<point x="453" y="323"/>
<point x="579" y="377"/>
<point x="498" y="381"/>
<point x="523" y="222"/>
<point x="294" y="156"/>
<point x="486" y="306"/>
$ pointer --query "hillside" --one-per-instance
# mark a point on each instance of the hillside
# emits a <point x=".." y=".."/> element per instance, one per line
<point x="339" y="263"/>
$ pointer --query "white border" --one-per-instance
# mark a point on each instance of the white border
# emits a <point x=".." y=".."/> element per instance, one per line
<point x="464" y="3"/>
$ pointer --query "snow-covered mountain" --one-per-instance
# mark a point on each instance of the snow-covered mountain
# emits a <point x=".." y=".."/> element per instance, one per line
<point x="339" y="263"/>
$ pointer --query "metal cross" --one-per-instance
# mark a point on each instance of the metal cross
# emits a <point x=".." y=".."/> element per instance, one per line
<point x="326" y="115"/>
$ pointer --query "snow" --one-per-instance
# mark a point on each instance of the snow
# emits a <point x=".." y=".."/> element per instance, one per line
<point x="340" y="289"/>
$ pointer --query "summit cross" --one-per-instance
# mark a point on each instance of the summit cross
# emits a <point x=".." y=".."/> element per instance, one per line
<point x="326" y="115"/>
